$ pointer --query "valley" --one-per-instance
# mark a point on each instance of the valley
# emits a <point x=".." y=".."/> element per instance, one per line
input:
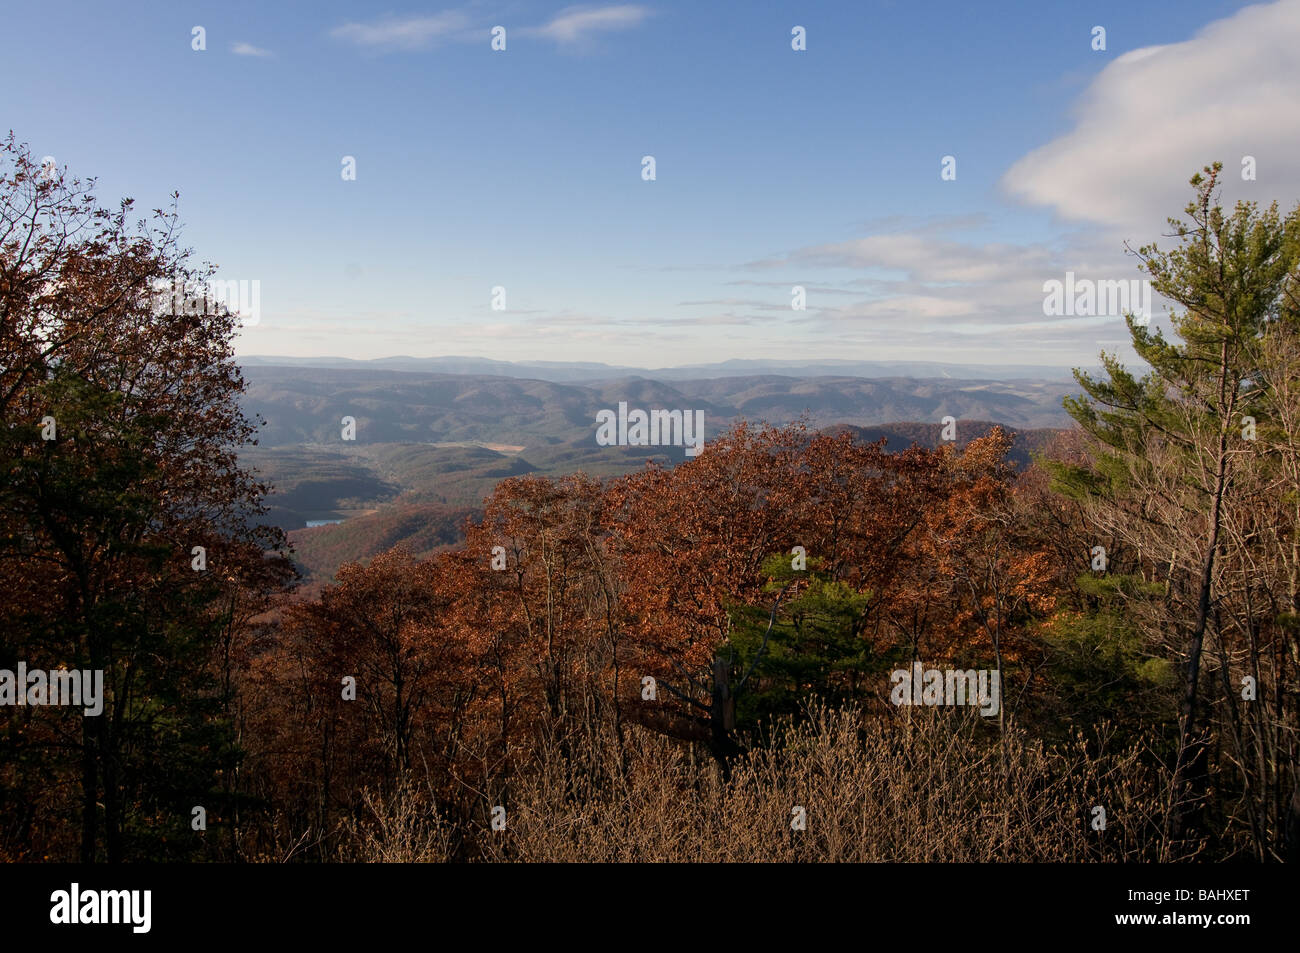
<point x="430" y="446"/>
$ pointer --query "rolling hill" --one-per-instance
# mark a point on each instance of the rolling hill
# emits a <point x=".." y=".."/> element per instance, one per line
<point x="430" y="446"/>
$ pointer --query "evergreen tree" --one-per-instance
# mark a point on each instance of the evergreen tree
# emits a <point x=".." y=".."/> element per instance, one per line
<point x="1168" y="444"/>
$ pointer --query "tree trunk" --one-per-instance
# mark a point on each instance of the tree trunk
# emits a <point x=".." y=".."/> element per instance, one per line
<point x="88" y="792"/>
<point x="722" y="719"/>
<point x="1189" y="768"/>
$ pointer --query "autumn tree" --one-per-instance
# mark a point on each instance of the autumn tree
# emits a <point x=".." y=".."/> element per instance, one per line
<point x="124" y="512"/>
<point x="692" y="542"/>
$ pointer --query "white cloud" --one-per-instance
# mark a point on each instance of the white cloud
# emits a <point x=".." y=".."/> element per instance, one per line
<point x="576" y="23"/>
<point x="248" y="49"/>
<point x="1156" y="115"/>
<point x="405" y="33"/>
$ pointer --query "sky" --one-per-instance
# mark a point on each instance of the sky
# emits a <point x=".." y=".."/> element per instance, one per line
<point x="523" y="169"/>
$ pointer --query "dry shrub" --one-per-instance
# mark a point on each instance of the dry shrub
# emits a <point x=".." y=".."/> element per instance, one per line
<point x="402" y="827"/>
<point x="918" y="786"/>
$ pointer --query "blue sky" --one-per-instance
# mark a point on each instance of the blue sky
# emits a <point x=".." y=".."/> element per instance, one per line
<point x="522" y="168"/>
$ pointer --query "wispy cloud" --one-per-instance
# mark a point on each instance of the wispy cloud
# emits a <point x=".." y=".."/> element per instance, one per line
<point x="921" y="256"/>
<point x="573" y="24"/>
<point x="402" y="33"/>
<point x="649" y="321"/>
<point x="248" y="49"/>
<point x="787" y="285"/>
<point x="918" y="283"/>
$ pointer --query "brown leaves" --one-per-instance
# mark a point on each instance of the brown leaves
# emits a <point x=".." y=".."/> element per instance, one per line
<point x="568" y="592"/>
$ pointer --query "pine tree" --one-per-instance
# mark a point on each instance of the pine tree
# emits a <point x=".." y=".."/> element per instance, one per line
<point x="1168" y="443"/>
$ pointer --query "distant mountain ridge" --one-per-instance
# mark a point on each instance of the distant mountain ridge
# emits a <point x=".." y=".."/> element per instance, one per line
<point x="305" y="404"/>
<point x="572" y="371"/>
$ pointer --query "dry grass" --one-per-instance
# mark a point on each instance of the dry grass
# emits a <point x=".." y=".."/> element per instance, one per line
<point x="924" y="788"/>
<point x="398" y="829"/>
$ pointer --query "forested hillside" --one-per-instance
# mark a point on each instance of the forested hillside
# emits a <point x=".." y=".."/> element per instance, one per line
<point x="304" y="405"/>
<point x="370" y="497"/>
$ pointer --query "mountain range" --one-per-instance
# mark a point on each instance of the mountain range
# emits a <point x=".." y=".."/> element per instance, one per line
<point x="562" y="371"/>
<point x="429" y="445"/>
